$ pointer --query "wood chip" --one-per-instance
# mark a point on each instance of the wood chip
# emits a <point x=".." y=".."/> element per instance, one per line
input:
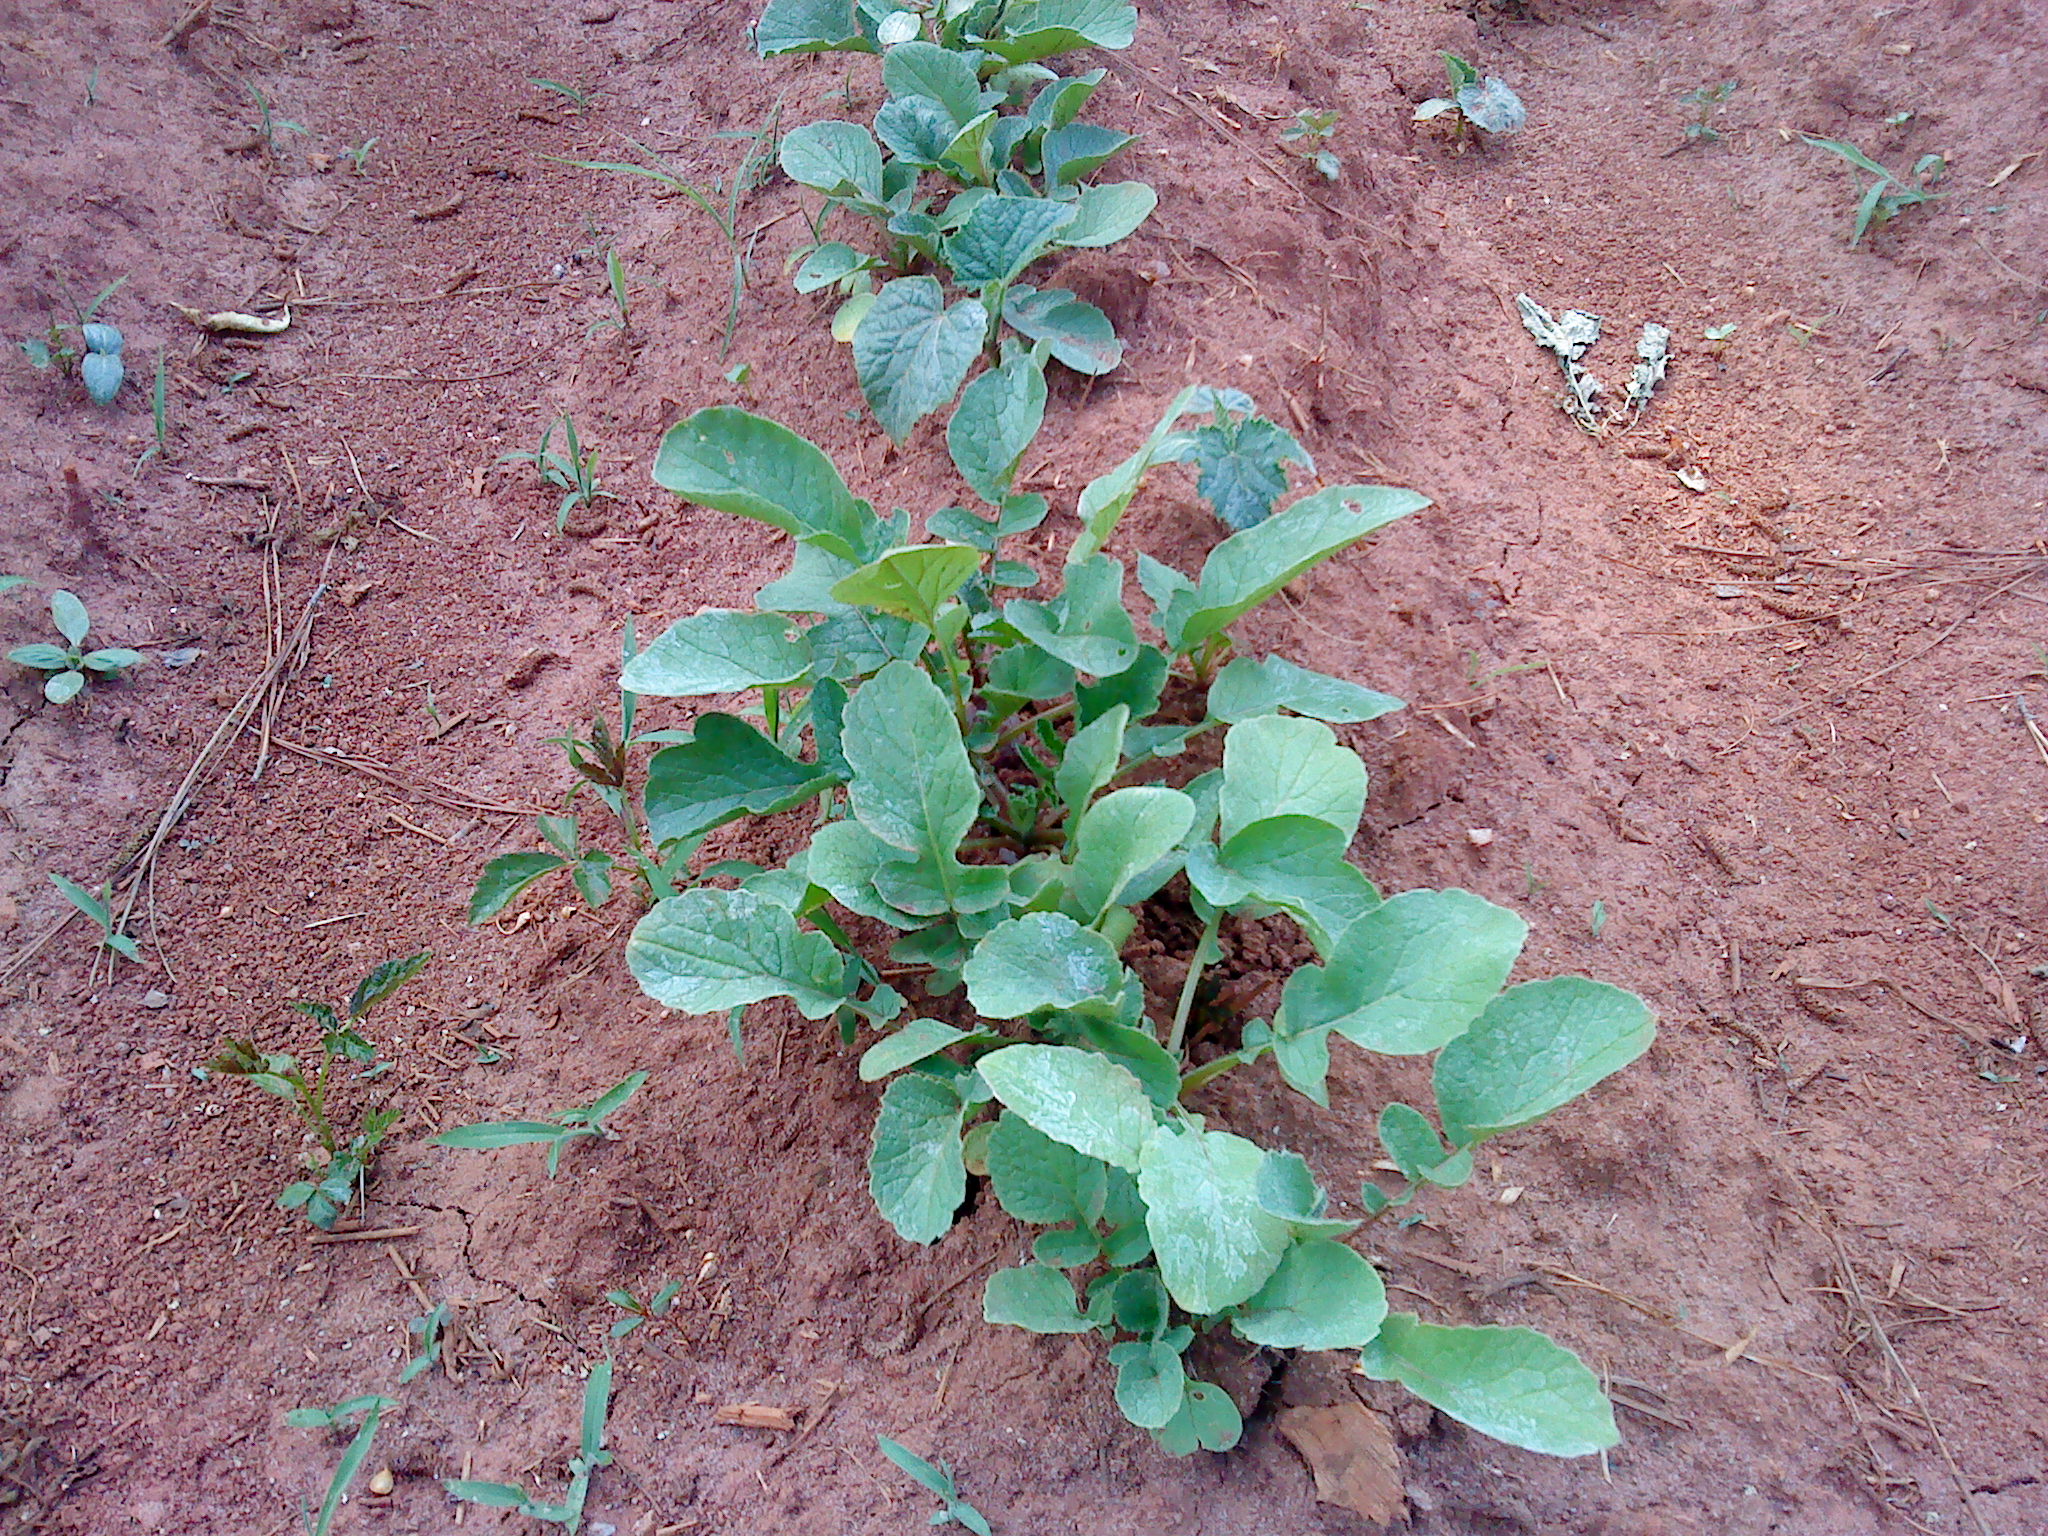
<point x="754" y="1416"/>
<point x="1350" y="1452"/>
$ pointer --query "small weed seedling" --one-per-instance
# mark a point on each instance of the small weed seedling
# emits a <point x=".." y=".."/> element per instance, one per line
<point x="573" y="471"/>
<point x="67" y="665"/>
<point x="638" y="1311"/>
<point x="159" y="412"/>
<point x="604" y="766"/>
<point x="358" y="155"/>
<point x="1010" y="784"/>
<point x="340" y="1167"/>
<point x="268" y="127"/>
<point x="555" y="1132"/>
<point x="576" y="96"/>
<point x="429" y="1330"/>
<point x="939" y="1480"/>
<point x="621" y="295"/>
<point x="970" y="184"/>
<point x="96" y="357"/>
<point x="1886" y="197"/>
<point x="1706" y="101"/>
<point x="373" y="1408"/>
<point x="97" y="908"/>
<point x="590" y="1456"/>
<point x="1485" y="105"/>
<point x="1309" y="136"/>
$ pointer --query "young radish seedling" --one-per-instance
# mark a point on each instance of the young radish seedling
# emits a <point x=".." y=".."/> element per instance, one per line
<point x="1009" y="783"/>
<point x="97" y="355"/>
<point x="340" y="1167"/>
<point x="970" y="184"/>
<point x="1475" y="106"/>
<point x="1309" y="135"/>
<point x="555" y="1132"/>
<point x="67" y="665"/>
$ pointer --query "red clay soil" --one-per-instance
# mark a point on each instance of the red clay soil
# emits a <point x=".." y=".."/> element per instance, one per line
<point x="1776" y="731"/>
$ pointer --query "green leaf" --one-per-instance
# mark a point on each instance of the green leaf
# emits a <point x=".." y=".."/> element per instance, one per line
<point x="1104" y="498"/>
<point x="83" y="899"/>
<point x="1003" y="236"/>
<point x="720" y="650"/>
<point x="999" y="414"/>
<point x="914" y="1042"/>
<point x="1138" y="688"/>
<point x="1039" y="29"/>
<point x="1040" y="960"/>
<point x="731" y="461"/>
<point x="838" y="159"/>
<point x="345" y="1470"/>
<point x="113" y="658"/>
<point x="1135" y="1050"/>
<point x="1033" y="1297"/>
<point x="1278" y="765"/>
<point x="1215" y="1243"/>
<point x="42" y="655"/>
<point x="912" y="351"/>
<point x="384" y="980"/>
<point x="708" y="950"/>
<point x="1208" y="1421"/>
<point x="1108" y="213"/>
<point x="1536" y="1047"/>
<point x="1410" y="975"/>
<point x="504" y="878"/>
<point x="844" y="860"/>
<point x="1511" y="1383"/>
<point x="1042" y="1181"/>
<point x="101" y="373"/>
<point x="925" y="69"/>
<point x="1127" y="846"/>
<point x="63" y="687"/>
<point x="490" y="1495"/>
<point x="911" y="583"/>
<point x="68" y="614"/>
<point x="915" y="1171"/>
<point x="726" y="769"/>
<point x="1076" y="1098"/>
<point x="1286" y="1188"/>
<point x="1092" y="756"/>
<point x="913" y="786"/>
<point x="830" y="263"/>
<point x="1323" y="1296"/>
<point x="1075" y="151"/>
<point x="1247" y="688"/>
<point x="917" y="130"/>
<point x="1150" y="1381"/>
<point x="1249" y="567"/>
<point x="1415" y="1148"/>
<point x="1078" y="333"/>
<point x="1295" y="863"/>
<point x="809" y="26"/>
<point x="490" y="1135"/>
<point x="1243" y="467"/>
<point x="1086" y="626"/>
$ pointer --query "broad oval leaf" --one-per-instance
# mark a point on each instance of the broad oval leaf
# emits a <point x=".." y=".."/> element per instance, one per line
<point x="915" y="1170"/>
<point x="1003" y="236"/>
<point x="808" y="26"/>
<point x="1127" y="846"/>
<point x="1039" y="29"/>
<point x="919" y="68"/>
<point x="1078" y="333"/>
<point x="1150" y="1381"/>
<point x="836" y="158"/>
<point x="1247" y="688"/>
<point x="1076" y="1098"/>
<point x="1536" y="1047"/>
<point x="69" y="615"/>
<point x="844" y="860"/>
<point x="1076" y="151"/>
<point x="998" y="417"/>
<point x="912" y="351"/>
<point x="830" y="263"/>
<point x="1215" y="1243"/>
<point x="1040" y="960"/>
<point x="733" y="461"/>
<point x="1032" y="1297"/>
<point x="1092" y="757"/>
<point x="708" y="950"/>
<point x="913" y="786"/>
<point x="1249" y="567"/>
<point x="727" y="769"/>
<point x="911" y="583"/>
<point x="1411" y="975"/>
<point x="1042" y="1181"/>
<point x="1295" y="863"/>
<point x="916" y="130"/>
<point x="101" y="373"/>
<point x="1086" y="626"/>
<point x="1208" y="1421"/>
<point x="1511" y="1383"/>
<point x="1279" y="765"/>
<point x="1109" y="212"/>
<point x="1323" y="1296"/>
<point x="504" y="878"/>
<point x="916" y="1041"/>
<point x="720" y="650"/>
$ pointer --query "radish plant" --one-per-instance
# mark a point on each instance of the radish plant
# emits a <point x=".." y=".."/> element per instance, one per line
<point x="976" y="167"/>
<point x="1004" y="797"/>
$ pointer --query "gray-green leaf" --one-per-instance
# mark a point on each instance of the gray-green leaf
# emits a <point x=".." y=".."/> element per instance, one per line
<point x="1127" y="846"/>
<point x="1249" y="687"/>
<point x="1043" y="1181"/>
<point x="998" y="416"/>
<point x="838" y="159"/>
<point x="1109" y="212"/>
<point x="1033" y="1297"/>
<point x="1150" y="1381"/>
<point x="1003" y="236"/>
<point x="733" y="461"/>
<point x="912" y="784"/>
<point x="1215" y="1243"/>
<point x="727" y="769"/>
<point x="1076" y="1098"/>
<point x="1278" y="765"/>
<point x="1536" y="1047"/>
<point x="1323" y="1296"/>
<point x="1086" y="626"/>
<point x="721" y="650"/>
<point x="915" y="1171"/>
<point x="1040" y="960"/>
<point x="709" y="950"/>
<point x="912" y="351"/>
<point x="1511" y="1383"/>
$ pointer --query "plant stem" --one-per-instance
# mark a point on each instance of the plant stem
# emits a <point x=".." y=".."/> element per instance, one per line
<point x="1205" y="952"/>
<point x="1207" y="1073"/>
<point x="1026" y="726"/>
